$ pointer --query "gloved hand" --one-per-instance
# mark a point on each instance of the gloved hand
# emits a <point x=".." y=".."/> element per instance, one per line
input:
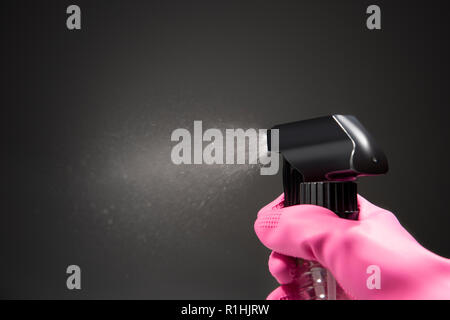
<point x="352" y="251"/>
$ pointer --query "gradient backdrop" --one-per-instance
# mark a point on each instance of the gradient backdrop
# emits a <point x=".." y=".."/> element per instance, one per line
<point x="87" y="117"/>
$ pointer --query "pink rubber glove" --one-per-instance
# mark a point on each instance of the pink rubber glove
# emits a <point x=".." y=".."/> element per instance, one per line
<point x="348" y="249"/>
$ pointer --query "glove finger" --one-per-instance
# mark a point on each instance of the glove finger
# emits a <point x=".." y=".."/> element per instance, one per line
<point x="285" y="292"/>
<point x="283" y="268"/>
<point x="277" y="203"/>
<point x="298" y="231"/>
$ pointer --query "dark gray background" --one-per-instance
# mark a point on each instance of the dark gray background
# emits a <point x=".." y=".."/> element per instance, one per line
<point x="87" y="117"/>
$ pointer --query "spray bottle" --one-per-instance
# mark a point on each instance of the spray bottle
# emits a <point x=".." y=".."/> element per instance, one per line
<point x="322" y="158"/>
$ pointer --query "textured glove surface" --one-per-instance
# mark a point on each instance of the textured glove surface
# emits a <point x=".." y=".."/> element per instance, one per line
<point x="371" y="258"/>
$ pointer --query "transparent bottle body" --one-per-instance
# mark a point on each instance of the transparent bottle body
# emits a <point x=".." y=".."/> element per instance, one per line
<point x="314" y="281"/>
<point x="317" y="283"/>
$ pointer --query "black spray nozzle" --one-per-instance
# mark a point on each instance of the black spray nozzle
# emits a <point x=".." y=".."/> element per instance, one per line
<point x="331" y="148"/>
